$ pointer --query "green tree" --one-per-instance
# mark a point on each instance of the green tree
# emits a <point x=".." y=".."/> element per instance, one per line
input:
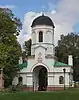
<point x="10" y="49"/>
<point x="69" y="45"/>
<point x="27" y="48"/>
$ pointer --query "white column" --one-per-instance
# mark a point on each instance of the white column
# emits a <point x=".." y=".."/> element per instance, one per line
<point x="70" y="60"/>
<point x="29" y="80"/>
<point x="37" y="36"/>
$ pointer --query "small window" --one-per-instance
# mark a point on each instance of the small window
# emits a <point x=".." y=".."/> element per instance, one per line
<point x="61" y="80"/>
<point x="40" y="36"/>
<point x="20" y="80"/>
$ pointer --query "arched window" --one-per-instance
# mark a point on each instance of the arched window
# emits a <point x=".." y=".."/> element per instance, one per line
<point x="20" y="80"/>
<point x="61" y="80"/>
<point x="40" y="36"/>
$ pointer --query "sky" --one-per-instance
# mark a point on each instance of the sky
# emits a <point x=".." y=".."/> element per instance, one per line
<point x="64" y="14"/>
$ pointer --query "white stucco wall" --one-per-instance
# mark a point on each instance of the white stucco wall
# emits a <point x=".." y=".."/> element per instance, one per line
<point x="29" y="80"/>
<point x="47" y="31"/>
<point x="56" y="79"/>
<point x="48" y="38"/>
<point x="60" y="69"/>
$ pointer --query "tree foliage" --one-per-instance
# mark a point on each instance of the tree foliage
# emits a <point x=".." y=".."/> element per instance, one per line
<point x="27" y="48"/>
<point x="10" y="49"/>
<point x="69" y="45"/>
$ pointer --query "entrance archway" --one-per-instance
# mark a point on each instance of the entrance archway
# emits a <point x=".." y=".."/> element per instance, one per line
<point x="40" y="78"/>
<point x="43" y="79"/>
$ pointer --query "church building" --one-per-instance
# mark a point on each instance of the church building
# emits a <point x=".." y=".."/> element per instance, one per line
<point x="43" y="72"/>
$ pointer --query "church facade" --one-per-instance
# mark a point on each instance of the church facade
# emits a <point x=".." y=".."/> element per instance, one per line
<point x="42" y="71"/>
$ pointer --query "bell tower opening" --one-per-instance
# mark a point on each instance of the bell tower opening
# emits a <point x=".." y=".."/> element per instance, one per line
<point x="40" y="36"/>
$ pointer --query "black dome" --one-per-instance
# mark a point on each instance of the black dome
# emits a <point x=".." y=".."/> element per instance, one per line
<point x="42" y="20"/>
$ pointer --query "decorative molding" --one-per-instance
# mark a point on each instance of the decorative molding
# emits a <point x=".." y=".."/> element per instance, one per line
<point x="42" y="27"/>
<point x="42" y="44"/>
<point x="39" y="57"/>
<point x="48" y="31"/>
<point x="38" y="64"/>
<point x="50" y="56"/>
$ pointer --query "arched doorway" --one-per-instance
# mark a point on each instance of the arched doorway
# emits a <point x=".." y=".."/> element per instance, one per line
<point x="43" y="79"/>
<point x="40" y="78"/>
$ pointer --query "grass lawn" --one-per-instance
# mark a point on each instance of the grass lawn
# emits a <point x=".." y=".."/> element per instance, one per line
<point x="55" y="95"/>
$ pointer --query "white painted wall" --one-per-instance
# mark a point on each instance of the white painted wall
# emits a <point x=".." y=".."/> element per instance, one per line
<point x="56" y="79"/>
<point x="47" y="31"/>
<point x="48" y="38"/>
<point x="29" y="80"/>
